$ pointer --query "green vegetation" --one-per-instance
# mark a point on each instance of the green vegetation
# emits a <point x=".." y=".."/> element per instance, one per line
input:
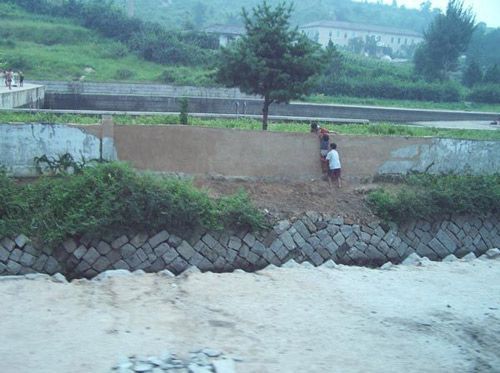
<point x="374" y="129"/>
<point x="112" y="199"/>
<point x="408" y="104"/>
<point x="426" y="197"/>
<point x="183" y="115"/>
<point x="198" y="13"/>
<point x="53" y="48"/>
<point x="445" y="40"/>
<point x="489" y="93"/>
<point x="149" y="40"/>
<point x="347" y="74"/>
<point x="272" y="59"/>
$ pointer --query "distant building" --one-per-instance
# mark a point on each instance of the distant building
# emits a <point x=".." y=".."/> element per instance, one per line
<point x="340" y="33"/>
<point x="226" y="33"/>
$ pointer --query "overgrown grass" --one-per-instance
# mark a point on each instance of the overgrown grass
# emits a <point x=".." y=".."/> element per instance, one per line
<point x="112" y="199"/>
<point x="48" y="48"/>
<point x="374" y="129"/>
<point x="428" y="197"/>
<point x="408" y="104"/>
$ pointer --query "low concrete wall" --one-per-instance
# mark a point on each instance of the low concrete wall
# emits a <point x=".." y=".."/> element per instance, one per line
<point x="237" y="153"/>
<point x="29" y="96"/>
<point x="444" y="156"/>
<point x="139" y="89"/>
<point x="21" y="143"/>
<point x="153" y="103"/>
<point x="313" y="238"/>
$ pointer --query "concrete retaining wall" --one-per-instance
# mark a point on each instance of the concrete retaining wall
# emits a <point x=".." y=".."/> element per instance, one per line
<point x="236" y="153"/>
<point x="30" y="96"/>
<point x="139" y="89"/>
<point x="21" y="143"/>
<point x="154" y="103"/>
<point x="313" y="238"/>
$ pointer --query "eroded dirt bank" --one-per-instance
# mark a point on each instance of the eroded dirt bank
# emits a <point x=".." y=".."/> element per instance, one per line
<point x="442" y="317"/>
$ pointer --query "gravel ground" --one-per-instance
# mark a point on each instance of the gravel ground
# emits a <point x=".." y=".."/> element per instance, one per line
<point x="439" y="317"/>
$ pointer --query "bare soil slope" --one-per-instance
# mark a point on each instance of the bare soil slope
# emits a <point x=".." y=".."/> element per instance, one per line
<point x="286" y="199"/>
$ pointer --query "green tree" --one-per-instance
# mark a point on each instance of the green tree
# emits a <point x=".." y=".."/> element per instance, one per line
<point x="356" y="45"/>
<point x="444" y="41"/>
<point x="334" y="62"/>
<point x="472" y="75"/>
<point x="272" y="59"/>
<point x="492" y="75"/>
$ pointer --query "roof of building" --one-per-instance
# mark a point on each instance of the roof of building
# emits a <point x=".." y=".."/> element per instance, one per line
<point x="361" y="27"/>
<point x="225" y="29"/>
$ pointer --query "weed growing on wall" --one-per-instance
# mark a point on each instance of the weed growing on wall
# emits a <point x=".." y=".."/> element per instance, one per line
<point x="427" y="196"/>
<point x="183" y="116"/>
<point x="112" y="199"/>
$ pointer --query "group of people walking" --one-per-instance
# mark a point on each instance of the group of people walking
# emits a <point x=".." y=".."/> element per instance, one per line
<point x="329" y="156"/>
<point x="9" y="78"/>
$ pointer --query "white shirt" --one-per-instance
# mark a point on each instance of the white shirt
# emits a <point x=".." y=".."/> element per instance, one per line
<point x="333" y="159"/>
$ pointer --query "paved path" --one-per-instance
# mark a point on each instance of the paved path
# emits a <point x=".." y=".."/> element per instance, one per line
<point x="4" y="89"/>
<point x="442" y="317"/>
<point x="466" y="125"/>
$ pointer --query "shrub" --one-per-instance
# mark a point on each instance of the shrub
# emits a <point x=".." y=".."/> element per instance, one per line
<point x="487" y="93"/>
<point x="426" y="197"/>
<point x="115" y="50"/>
<point x="392" y="89"/>
<point x="124" y="74"/>
<point x="183" y="115"/>
<point x="112" y="199"/>
<point x="18" y="62"/>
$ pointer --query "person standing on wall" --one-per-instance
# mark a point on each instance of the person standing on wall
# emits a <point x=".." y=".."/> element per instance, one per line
<point x="334" y="167"/>
<point x="21" y="78"/>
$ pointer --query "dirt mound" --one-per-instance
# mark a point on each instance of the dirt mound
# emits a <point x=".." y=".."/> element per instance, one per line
<point x="287" y="199"/>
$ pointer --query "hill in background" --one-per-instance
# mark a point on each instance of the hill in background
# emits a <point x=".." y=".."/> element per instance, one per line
<point x="54" y="48"/>
<point x="200" y="13"/>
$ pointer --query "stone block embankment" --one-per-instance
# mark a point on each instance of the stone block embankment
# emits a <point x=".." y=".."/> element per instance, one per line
<point x="312" y="238"/>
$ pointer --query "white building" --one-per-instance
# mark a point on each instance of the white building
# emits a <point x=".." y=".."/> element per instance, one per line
<point x="226" y="33"/>
<point x="341" y="32"/>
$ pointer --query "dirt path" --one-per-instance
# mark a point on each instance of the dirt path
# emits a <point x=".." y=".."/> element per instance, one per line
<point x="443" y="317"/>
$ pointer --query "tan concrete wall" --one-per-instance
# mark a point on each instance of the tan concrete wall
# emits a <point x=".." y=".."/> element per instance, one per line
<point x="195" y="150"/>
<point x="362" y="156"/>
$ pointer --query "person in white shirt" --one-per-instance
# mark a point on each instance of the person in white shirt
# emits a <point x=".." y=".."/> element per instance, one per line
<point x="334" y="167"/>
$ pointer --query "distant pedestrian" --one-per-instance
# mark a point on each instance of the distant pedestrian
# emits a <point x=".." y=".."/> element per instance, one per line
<point x="21" y="78"/>
<point x="334" y="167"/>
<point x="8" y="79"/>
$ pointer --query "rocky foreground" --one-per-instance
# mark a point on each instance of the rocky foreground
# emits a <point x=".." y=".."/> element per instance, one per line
<point x="419" y="317"/>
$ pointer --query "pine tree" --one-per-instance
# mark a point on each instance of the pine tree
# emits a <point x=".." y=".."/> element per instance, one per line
<point x="444" y="41"/>
<point x="272" y="59"/>
<point x="472" y="75"/>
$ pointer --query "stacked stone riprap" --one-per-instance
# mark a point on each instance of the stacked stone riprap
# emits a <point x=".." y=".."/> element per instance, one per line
<point x="313" y="237"/>
<point x="203" y="361"/>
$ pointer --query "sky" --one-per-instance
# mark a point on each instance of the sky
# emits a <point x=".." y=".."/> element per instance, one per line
<point x="487" y="11"/>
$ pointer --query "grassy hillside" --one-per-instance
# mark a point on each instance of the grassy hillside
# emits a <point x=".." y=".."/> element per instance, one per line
<point x="204" y="12"/>
<point x="54" y="48"/>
